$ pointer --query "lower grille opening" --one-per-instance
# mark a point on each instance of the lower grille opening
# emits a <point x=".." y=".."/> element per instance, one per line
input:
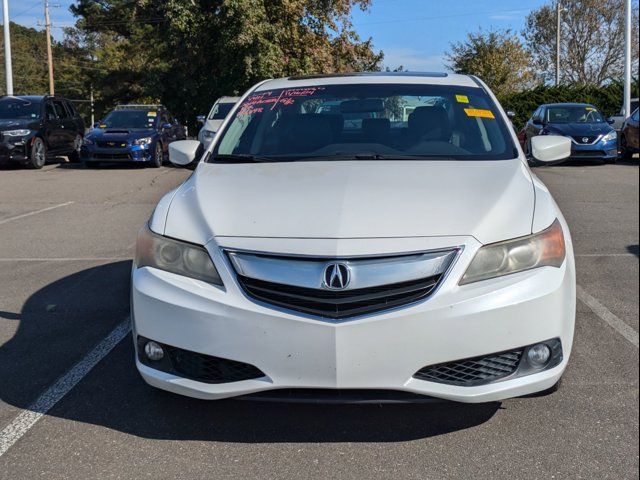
<point x="474" y="371"/>
<point x="198" y="366"/>
<point x="208" y="369"/>
<point x="339" y="304"/>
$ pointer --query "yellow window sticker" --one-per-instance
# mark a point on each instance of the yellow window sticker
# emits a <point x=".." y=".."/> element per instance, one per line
<point x="103" y="125"/>
<point x="462" y="99"/>
<point x="152" y="114"/>
<point x="478" y="112"/>
<point x="590" y="109"/>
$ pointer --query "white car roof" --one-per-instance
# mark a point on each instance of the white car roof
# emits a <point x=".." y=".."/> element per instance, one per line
<point x="420" y="78"/>
<point x="227" y="100"/>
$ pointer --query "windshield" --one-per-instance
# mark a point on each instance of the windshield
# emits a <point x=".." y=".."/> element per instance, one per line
<point x="574" y="114"/>
<point x="12" y="107"/>
<point x="368" y="121"/>
<point x="220" y="111"/>
<point x="133" y="119"/>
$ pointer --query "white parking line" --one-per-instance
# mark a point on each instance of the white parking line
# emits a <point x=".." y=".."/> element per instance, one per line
<point x="30" y="416"/>
<point x="604" y="314"/>
<point x="28" y="214"/>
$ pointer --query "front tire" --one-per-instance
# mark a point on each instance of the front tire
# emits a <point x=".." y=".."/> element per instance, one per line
<point x="38" y="154"/>
<point x="158" y="156"/>
<point x="74" y="157"/>
<point x="625" y="152"/>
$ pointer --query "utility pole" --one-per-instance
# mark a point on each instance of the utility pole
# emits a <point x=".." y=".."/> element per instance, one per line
<point x="558" y="27"/>
<point x="47" y="25"/>
<point x="627" y="60"/>
<point x="93" y="118"/>
<point x="7" y="47"/>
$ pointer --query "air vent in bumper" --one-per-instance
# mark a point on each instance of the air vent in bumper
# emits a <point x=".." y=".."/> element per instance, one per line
<point x="199" y="367"/>
<point x="475" y="371"/>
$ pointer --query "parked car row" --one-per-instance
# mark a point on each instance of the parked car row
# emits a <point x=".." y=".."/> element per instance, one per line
<point x="592" y="136"/>
<point x="33" y="128"/>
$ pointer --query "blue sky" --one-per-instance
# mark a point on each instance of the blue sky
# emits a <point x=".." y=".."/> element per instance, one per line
<point x="412" y="33"/>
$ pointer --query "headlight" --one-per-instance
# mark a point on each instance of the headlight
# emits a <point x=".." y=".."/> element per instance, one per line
<point x="208" y="134"/>
<point x="142" y="141"/>
<point x="546" y="248"/>
<point x="87" y="141"/>
<point x="153" y="250"/>
<point x="17" y="133"/>
<point x="612" y="135"/>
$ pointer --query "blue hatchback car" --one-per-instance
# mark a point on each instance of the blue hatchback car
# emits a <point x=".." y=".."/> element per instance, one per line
<point x="592" y="137"/>
<point x="132" y="133"/>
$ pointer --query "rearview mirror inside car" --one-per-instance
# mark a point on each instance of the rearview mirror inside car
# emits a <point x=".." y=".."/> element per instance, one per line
<point x="367" y="105"/>
<point x="183" y="152"/>
<point x="550" y="148"/>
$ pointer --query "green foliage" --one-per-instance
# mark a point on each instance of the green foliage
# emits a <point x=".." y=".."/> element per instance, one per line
<point x="607" y="99"/>
<point x="29" y="59"/>
<point x="186" y="54"/>
<point x="497" y="57"/>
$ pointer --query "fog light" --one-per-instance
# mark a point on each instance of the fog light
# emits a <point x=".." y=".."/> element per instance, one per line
<point x="538" y="355"/>
<point x="153" y="351"/>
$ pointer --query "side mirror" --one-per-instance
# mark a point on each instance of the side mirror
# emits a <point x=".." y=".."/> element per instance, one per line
<point x="201" y="119"/>
<point x="183" y="152"/>
<point x="611" y="120"/>
<point x="538" y="122"/>
<point x="166" y="126"/>
<point x="96" y="125"/>
<point x="550" y="148"/>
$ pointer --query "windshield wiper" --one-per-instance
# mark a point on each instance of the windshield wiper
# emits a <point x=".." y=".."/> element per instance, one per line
<point x="242" y="158"/>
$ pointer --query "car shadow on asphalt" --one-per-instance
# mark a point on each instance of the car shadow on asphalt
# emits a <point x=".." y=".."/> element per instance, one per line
<point x="61" y="322"/>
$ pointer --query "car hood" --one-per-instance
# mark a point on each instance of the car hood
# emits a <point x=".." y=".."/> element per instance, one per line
<point x="578" y="129"/>
<point x="490" y="200"/>
<point x="119" y="134"/>
<point x="17" y="123"/>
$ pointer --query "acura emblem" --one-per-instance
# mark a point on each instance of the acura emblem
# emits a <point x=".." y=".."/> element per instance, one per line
<point x="336" y="276"/>
<point x="585" y="139"/>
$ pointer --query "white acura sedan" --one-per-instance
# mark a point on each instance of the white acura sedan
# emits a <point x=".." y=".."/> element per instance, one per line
<point x="371" y="235"/>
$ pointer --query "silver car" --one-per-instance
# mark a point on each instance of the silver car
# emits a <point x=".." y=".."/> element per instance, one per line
<point x="212" y="122"/>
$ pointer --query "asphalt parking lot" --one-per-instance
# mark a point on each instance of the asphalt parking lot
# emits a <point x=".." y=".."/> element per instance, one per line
<point x="66" y="242"/>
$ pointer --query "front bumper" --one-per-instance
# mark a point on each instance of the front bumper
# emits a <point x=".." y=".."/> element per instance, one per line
<point x="379" y="351"/>
<point x="131" y="153"/>
<point x="598" y="151"/>
<point x="15" y="150"/>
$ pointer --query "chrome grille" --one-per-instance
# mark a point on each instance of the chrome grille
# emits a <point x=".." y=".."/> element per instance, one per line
<point x="339" y="304"/>
<point x="377" y="283"/>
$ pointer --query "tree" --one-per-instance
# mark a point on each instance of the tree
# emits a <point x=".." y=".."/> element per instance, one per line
<point x="592" y="41"/>
<point x="187" y="53"/>
<point x="497" y="57"/>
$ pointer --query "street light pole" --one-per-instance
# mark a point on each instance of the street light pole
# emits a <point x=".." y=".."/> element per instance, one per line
<point x="7" y="47"/>
<point x="627" y="60"/>
<point x="558" y="25"/>
<point x="49" y="54"/>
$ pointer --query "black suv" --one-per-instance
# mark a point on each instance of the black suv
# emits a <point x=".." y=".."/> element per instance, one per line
<point x="33" y="127"/>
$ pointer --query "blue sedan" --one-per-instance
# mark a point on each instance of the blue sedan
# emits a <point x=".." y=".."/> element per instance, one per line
<point x="592" y="137"/>
<point x="132" y="133"/>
